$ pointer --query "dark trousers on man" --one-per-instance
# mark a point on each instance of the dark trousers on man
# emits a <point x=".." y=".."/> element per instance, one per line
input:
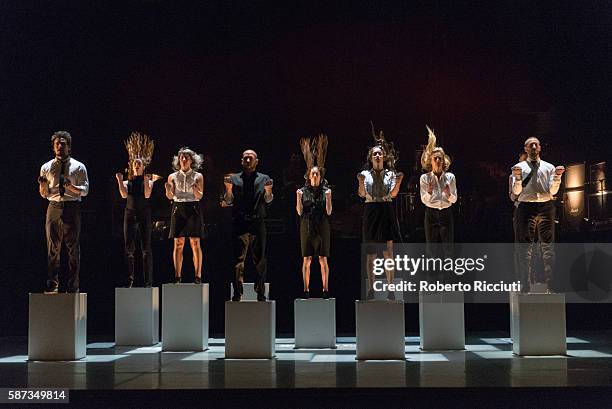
<point x="536" y="221"/>
<point x="137" y="226"/>
<point x="63" y="226"/>
<point x="254" y="239"/>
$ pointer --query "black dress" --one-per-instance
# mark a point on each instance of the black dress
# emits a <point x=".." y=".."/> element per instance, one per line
<point x="315" y="230"/>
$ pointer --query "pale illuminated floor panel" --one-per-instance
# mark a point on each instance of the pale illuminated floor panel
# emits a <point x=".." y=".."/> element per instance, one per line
<point x="487" y="361"/>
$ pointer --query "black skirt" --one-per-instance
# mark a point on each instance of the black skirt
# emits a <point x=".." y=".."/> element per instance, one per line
<point x="186" y="220"/>
<point x="315" y="240"/>
<point x="380" y="223"/>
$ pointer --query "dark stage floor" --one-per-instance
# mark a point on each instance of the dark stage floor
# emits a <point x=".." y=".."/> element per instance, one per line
<point x="126" y="376"/>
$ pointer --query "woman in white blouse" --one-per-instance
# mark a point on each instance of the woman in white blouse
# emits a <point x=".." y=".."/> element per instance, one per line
<point x="185" y="188"/>
<point x="379" y="185"/>
<point x="438" y="194"/>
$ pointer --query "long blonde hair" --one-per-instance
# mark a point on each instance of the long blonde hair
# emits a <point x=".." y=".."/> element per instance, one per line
<point x="138" y="146"/>
<point x="429" y="151"/>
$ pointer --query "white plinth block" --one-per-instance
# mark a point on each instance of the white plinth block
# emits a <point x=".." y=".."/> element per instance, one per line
<point x="315" y="323"/>
<point x="248" y="291"/>
<point x="538" y="324"/>
<point x="57" y="327"/>
<point x="250" y="329"/>
<point x="137" y="316"/>
<point x="380" y="329"/>
<point x="441" y="321"/>
<point x="184" y="317"/>
<point x="382" y="295"/>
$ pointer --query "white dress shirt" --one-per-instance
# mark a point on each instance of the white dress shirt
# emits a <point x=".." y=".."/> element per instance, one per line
<point x="541" y="187"/>
<point x="438" y="199"/>
<point x="513" y="197"/>
<point x="183" y="182"/>
<point x="74" y="171"/>
<point x="378" y="185"/>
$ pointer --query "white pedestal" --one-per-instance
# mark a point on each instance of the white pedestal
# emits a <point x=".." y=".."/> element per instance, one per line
<point x="57" y="328"/>
<point x="441" y="321"/>
<point x="315" y="323"/>
<point x="382" y="295"/>
<point x="137" y="316"/>
<point x="184" y="317"/>
<point x="380" y="330"/>
<point x="250" y="329"/>
<point x="249" y="293"/>
<point x="538" y="324"/>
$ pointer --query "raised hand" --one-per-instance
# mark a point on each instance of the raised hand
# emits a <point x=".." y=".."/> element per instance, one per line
<point x="227" y="181"/>
<point x="430" y="186"/>
<point x="559" y="170"/>
<point x="446" y="190"/>
<point x="119" y="176"/>
<point x="42" y="180"/>
<point x="268" y="186"/>
<point x="361" y="178"/>
<point x="517" y="172"/>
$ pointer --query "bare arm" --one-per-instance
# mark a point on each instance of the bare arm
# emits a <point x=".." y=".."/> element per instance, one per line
<point x="268" y="195"/>
<point x="361" y="191"/>
<point x="328" y="201"/>
<point x="398" y="182"/>
<point x="121" y="185"/>
<point x="148" y="186"/>
<point x="299" y="207"/>
<point x="228" y="196"/>
<point x="170" y="188"/>
<point x="198" y="186"/>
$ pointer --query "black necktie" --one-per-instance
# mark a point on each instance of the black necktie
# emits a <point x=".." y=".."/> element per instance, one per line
<point x="534" y="166"/>
<point x="62" y="178"/>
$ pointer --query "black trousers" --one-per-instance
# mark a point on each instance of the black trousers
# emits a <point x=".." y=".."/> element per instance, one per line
<point x="63" y="227"/>
<point x="535" y="221"/>
<point x="137" y="225"/>
<point x="439" y="231"/>
<point x="254" y="239"/>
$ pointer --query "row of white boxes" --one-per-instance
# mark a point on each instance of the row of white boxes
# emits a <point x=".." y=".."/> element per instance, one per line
<point x="58" y="323"/>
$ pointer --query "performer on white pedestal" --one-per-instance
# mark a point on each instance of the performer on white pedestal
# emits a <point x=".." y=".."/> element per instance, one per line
<point x="379" y="185"/>
<point x="185" y="188"/>
<point x="249" y="192"/>
<point x="438" y="193"/>
<point x="63" y="181"/>
<point x="137" y="215"/>
<point x="514" y="199"/>
<point x="535" y="182"/>
<point x="314" y="205"/>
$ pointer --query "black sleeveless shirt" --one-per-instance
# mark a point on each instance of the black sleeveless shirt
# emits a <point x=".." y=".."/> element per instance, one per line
<point x="136" y="199"/>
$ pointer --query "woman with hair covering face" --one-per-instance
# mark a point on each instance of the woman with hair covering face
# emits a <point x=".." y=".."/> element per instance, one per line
<point x="185" y="188"/>
<point x="137" y="216"/>
<point x="379" y="185"/>
<point x="314" y="206"/>
<point x="438" y="193"/>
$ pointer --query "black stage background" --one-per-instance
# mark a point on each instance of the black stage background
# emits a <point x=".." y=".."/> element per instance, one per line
<point x="224" y="76"/>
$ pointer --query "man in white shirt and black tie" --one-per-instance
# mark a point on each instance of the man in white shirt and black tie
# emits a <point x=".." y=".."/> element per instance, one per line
<point x="535" y="182"/>
<point x="63" y="181"/>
